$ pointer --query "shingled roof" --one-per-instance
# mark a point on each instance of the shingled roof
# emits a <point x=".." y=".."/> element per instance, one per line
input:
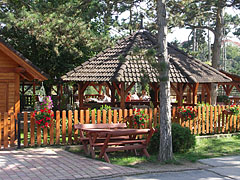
<point x="117" y="64"/>
<point x="20" y="59"/>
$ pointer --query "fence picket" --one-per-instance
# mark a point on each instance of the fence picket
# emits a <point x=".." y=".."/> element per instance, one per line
<point x="230" y="122"/>
<point x="57" y="127"/>
<point x="211" y="119"/>
<point x="64" y="127"/>
<point x="150" y="117"/>
<point x="215" y="119"/>
<point x="87" y="116"/>
<point x="125" y="115"/>
<point x="75" y="122"/>
<point x="5" y="130"/>
<point x="1" y="129"/>
<point x="115" y="116"/>
<point x="98" y="116"/>
<point x="234" y="123"/>
<point x="223" y="120"/>
<point x="52" y="129"/>
<point x="39" y="136"/>
<point x="104" y="116"/>
<point x="120" y="119"/>
<point x="195" y="122"/>
<point x="109" y="116"/>
<point x="45" y="136"/>
<point x="219" y="118"/>
<point x="12" y="130"/>
<point x="93" y="116"/>
<point x="207" y="119"/>
<point x="25" y="129"/>
<point x="32" y="130"/>
<point x="130" y="118"/>
<point x="199" y="120"/>
<point x="82" y="116"/>
<point x="155" y="117"/>
<point x="70" y="127"/>
<point x="203" y="120"/>
<point x="146" y="112"/>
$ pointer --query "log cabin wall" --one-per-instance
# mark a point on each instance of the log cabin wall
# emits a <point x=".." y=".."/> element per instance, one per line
<point x="9" y="85"/>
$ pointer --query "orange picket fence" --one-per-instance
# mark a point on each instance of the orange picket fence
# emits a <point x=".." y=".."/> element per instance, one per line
<point x="209" y="120"/>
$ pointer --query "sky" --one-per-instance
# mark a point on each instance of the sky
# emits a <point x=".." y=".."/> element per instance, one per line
<point x="182" y="34"/>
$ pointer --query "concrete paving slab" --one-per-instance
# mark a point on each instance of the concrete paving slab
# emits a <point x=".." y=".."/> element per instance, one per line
<point x="184" y="175"/>
<point x="222" y="161"/>
<point x="229" y="171"/>
<point x="55" y="163"/>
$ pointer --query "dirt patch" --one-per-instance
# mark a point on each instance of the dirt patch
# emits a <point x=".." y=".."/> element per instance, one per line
<point x="171" y="167"/>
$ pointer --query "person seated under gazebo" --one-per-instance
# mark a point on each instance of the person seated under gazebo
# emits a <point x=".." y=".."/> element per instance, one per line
<point x="134" y="96"/>
<point x="144" y="96"/>
<point x="128" y="98"/>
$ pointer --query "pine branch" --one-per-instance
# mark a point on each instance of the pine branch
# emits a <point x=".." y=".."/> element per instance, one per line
<point x="200" y="27"/>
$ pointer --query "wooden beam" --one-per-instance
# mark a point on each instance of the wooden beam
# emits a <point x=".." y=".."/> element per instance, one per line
<point x="129" y="87"/>
<point x="12" y="69"/>
<point x="80" y="94"/>
<point x="122" y="104"/>
<point x="117" y="88"/>
<point x="24" y="76"/>
<point x="175" y="89"/>
<point x="180" y="87"/>
<point x="237" y="87"/>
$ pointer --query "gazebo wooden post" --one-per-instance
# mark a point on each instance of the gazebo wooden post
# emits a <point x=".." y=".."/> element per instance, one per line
<point x="195" y="90"/>
<point x="155" y="87"/>
<point x="203" y="93"/>
<point x="80" y="94"/>
<point x="189" y="97"/>
<point x="122" y="94"/>
<point x="208" y="90"/>
<point x="34" y="88"/>
<point x="180" y="95"/>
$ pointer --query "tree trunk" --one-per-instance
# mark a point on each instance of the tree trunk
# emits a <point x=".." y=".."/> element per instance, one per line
<point x="165" y="149"/>
<point x="218" y="35"/>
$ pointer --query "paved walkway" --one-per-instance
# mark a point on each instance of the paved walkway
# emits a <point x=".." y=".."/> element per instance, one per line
<point x="55" y="163"/>
<point x="223" y="168"/>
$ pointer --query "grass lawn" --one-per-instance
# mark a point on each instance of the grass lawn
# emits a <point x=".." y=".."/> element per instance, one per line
<point x="205" y="148"/>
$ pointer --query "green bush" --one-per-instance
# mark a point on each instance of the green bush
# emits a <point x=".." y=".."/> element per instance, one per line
<point x="182" y="139"/>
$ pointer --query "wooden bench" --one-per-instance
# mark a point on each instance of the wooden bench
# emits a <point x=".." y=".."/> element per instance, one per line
<point x="85" y="140"/>
<point x="113" y="137"/>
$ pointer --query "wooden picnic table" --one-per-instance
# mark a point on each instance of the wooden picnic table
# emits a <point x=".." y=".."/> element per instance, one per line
<point x="110" y="145"/>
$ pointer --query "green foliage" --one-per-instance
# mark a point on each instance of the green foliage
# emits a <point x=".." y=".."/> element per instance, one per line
<point x="223" y="98"/>
<point x="56" y="35"/>
<point x="153" y="146"/>
<point x="182" y="139"/>
<point x="234" y="109"/>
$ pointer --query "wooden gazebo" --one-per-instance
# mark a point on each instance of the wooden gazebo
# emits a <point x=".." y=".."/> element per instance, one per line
<point x="14" y="68"/>
<point x="229" y="86"/>
<point x="127" y="63"/>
